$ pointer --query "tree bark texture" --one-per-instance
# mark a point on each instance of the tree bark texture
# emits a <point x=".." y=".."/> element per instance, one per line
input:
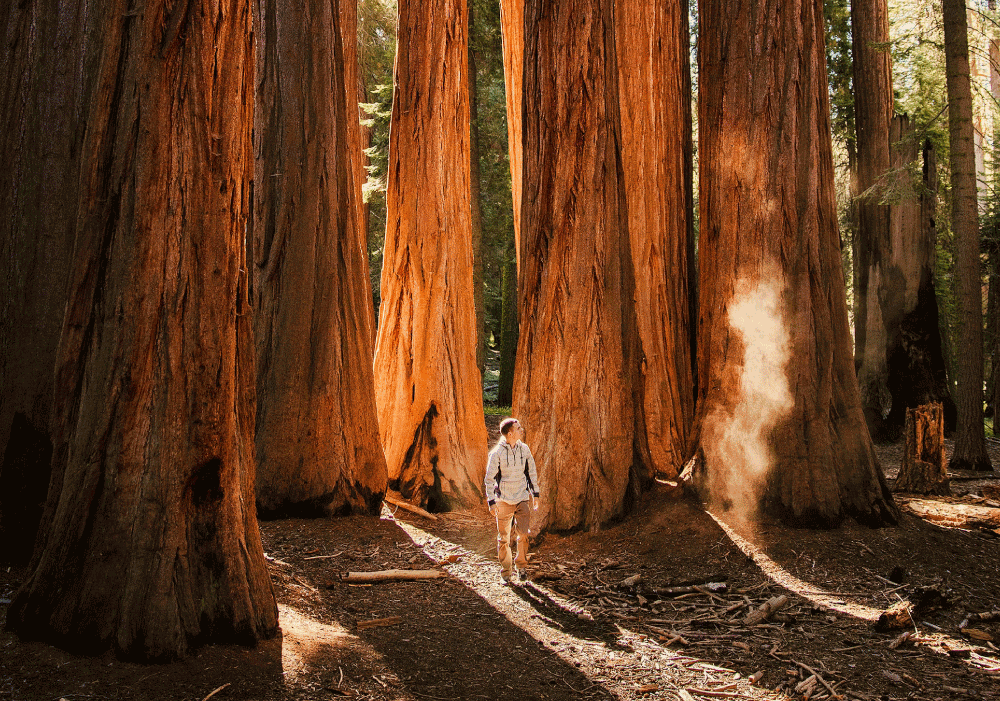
<point x="779" y="416"/>
<point x="923" y="467"/>
<point x="40" y="105"/>
<point x="428" y="387"/>
<point x="652" y="47"/>
<point x="970" y="438"/>
<point x="318" y="448"/>
<point x="577" y="388"/>
<point x="872" y="66"/>
<point x="508" y="329"/>
<point x="512" y="28"/>
<point x="149" y="542"/>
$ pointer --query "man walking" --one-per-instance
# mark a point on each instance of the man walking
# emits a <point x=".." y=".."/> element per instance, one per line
<point x="511" y="486"/>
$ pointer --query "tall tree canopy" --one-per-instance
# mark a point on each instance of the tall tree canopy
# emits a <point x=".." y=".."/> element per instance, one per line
<point x="779" y="408"/>
<point x="428" y="387"/>
<point x="149" y="543"/>
<point x="317" y="446"/>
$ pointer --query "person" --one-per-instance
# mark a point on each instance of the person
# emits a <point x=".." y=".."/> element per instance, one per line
<point x="511" y="490"/>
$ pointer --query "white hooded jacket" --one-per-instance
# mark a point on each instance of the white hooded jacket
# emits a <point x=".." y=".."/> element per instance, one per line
<point x="511" y="475"/>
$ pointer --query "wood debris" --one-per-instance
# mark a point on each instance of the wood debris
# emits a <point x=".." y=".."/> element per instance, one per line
<point x="398" y="501"/>
<point x="379" y="622"/>
<point x="766" y="610"/>
<point x="389" y="576"/>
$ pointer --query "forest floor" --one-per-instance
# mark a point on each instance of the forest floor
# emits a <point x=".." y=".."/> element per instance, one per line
<point x="573" y="630"/>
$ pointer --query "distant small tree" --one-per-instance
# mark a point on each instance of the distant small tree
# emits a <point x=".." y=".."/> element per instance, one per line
<point x="970" y="439"/>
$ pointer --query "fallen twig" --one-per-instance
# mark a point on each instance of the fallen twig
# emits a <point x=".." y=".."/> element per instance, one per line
<point x="765" y="611"/>
<point x="215" y="692"/>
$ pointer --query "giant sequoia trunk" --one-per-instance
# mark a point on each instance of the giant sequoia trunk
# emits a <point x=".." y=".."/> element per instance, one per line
<point x="149" y="543"/>
<point x="40" y="108"/>
<point x="970" y="440"/>
<point x="779" y="409"/>
<point x="875" y="328"/>
<point x="428" y="387"/>
<point x="577" y="388"/>
<point x="318" y="448"/>
<point x="907" y="305"/>
<point x="652" y="48"/>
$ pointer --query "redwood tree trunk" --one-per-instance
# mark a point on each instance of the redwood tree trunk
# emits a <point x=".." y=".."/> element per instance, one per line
<point x="149" y="542"/>
<point x="872" y="114"/>
<point x="655" y="108"/>
<point x="508" y="329"/>
<point x="428" y="387"/>
<point x="576" y="388"/>
<point x="970" y="438"/>
<point x="512" y="27"/>
<point x="779" y="408"/>
<point x="318" y="447"/>
<point x="916" y="371"/>
<point x="40" y="107"/>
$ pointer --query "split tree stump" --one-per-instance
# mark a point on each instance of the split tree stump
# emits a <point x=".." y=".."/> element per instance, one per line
<point x="923" y="468"/>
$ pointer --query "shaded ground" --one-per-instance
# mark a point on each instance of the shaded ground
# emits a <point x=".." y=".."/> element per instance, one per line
<point x="574" y="631"/>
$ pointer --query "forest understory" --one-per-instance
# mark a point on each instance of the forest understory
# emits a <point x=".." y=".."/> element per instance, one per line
<point x="577" y="630"/>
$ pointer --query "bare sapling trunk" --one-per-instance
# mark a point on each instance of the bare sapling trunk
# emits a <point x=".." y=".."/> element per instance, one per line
<point x="149" y="543"/>
<point x="970" y="438"/>
<point x="652" y="46"/>
<point x="779" y="417"/>
<point x="40" y="108"/>
<point x="576" y="387"/>
<point x="428" y="388"/>
<point x="318" y="448"/>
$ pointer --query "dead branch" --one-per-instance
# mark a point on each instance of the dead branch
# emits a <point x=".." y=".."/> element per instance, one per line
<point x="765" y="611"/>
<point x="215" y="692"/>
<point x="409" y="507"/>
<point x="378" y="622"/>
<point x="389" y="576"/>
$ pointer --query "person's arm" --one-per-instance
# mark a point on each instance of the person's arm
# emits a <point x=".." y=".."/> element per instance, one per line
<point x="490" y="483"/>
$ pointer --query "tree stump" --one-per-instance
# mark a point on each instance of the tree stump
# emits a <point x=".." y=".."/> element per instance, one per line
<point x="923" y="468"/>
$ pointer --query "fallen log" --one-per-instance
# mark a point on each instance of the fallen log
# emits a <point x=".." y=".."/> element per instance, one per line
<point x="389" y="499"/>
<point x="389" y="576"/>
<point x="765" y="611"/>
<point x="709" y="587"/>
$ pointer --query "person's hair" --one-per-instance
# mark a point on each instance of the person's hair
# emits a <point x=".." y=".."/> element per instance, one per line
<point x="505" y="427"/>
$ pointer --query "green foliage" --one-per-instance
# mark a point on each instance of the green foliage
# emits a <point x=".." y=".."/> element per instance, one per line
<point x="376" y="54"/>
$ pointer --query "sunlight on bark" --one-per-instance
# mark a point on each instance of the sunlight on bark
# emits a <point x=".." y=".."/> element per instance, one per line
<point x="737" y="436"/>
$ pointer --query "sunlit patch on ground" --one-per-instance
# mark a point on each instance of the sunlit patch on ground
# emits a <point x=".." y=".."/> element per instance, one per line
<point x="620" y="660"/>
<point x="935" y="640"/>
